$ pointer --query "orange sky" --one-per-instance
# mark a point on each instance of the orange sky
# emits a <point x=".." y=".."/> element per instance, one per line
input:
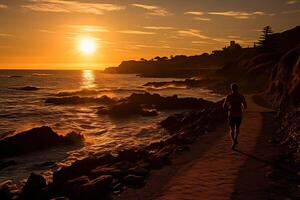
<point x="45" y="34"/>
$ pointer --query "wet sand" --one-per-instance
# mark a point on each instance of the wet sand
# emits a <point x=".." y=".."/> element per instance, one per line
<point x="211" y="170"/>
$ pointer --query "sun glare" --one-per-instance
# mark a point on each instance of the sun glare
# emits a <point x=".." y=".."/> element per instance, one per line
<point x="87" y="46"/>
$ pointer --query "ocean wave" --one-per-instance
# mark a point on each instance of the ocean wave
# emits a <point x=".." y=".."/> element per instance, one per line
<point x="39" y="74"/>
<point x="92" y="92"/>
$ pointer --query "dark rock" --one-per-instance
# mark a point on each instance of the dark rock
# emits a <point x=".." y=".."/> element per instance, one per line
<point x="8" y="190"/>
<point x="7" y="164"/>
<point x="139" y="171"/>
<point x="73" y="138"/>
<point x="72" y="188"/>
<point x="148" y="113"/>
<point x="76" y="100"/>
<point x="33" y="187"/>
<point x="147" y="105"/>
<point x="99" y="171"/>
<point x="28" y="88"/>
<point x="36" y="139"/>
<point x="46" y="164"/>
<point x="82" y="167"/>
<point x="15" y="76"/>
<point x="99" y="188"/>
<point x="134" y="181"/>
<point x="187" y="83"/>
<point x="172" y="123"/>
<point x="132" y="154"/>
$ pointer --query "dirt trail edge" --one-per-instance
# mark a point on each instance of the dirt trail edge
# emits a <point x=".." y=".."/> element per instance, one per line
<point x="211" y="170"/>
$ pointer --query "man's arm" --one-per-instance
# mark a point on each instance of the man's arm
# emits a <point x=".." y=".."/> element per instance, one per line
<point x="245" y="103"/>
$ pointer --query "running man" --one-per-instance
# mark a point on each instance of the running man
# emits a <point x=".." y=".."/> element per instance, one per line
<point x="235" y="102"/>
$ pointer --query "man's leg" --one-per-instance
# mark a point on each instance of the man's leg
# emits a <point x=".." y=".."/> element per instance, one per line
<point x="232" y="134"/>
<point x="237" y="130"/>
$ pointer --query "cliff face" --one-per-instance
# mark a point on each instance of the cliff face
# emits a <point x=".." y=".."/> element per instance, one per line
<point x="284" y="88"/>
<point x="284" y="92"/>
<point x="275" y="60"/>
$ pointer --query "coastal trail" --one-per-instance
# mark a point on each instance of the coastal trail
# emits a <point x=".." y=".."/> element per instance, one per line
<point x="211" y="170"/>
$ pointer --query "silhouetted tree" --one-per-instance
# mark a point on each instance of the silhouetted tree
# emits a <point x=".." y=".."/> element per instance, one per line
<point x="264" y="39"/>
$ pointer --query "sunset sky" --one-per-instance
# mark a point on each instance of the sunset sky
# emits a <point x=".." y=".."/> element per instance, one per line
<point x="47" y="34"/>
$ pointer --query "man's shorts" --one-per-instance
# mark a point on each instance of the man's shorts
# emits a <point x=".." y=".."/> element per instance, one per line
<point x="235" y="121"/>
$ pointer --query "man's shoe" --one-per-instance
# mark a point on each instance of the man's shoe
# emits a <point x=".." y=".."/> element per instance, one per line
<point x="233" y="146"/>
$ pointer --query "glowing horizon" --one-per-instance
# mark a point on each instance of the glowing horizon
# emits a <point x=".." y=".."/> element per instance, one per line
<point x="45" y="34"/>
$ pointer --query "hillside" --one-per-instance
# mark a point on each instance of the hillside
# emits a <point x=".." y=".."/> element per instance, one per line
<point x="179" y="65"/>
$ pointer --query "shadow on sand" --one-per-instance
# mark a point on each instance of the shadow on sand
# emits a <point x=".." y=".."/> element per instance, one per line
<point x="252" y="182"/>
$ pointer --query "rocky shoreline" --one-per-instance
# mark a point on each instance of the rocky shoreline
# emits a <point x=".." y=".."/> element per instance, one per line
<point x="100" y="176"/>
<point x="143" y="104"/>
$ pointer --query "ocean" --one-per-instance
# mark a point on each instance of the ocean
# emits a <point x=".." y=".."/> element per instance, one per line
<point x="22" y="110"/>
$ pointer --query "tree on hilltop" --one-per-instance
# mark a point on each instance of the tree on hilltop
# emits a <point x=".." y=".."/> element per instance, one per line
<point x="264" y="39"/>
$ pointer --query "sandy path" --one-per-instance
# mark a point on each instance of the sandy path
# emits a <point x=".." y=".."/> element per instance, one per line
<point x="215" y="174"/>
<point x="211" y="170"/>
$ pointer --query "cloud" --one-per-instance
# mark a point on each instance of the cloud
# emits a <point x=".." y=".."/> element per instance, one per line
<point x="47" y="31"/>
<point x="197" y="13"/>
<point x="137" y="32"/>
<point x="90" y="28"/>
<point x="64" y="6"/>
<point x="192" y="33"/>
<point x="3" y="6"/>
<point x="152" y="46"/>
<point x="159" y="27"/>
<point x="5" y="35"/>
<point x="290" y="2"/>
<point x="153" y="10"/>
<point x="202" y="19"/>
<point x="202" y="42"/>
<point x="239" y="14"/>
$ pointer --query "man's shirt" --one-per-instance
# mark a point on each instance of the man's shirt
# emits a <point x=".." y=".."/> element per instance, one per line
<point x="235" y="102"/>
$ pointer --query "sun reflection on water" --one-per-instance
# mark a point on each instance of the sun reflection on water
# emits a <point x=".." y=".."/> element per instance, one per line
<point x="88" y="79"/>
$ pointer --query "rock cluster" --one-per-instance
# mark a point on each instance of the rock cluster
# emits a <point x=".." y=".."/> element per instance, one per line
<point x="100" y="176"/>
<point x="147" y="104"/>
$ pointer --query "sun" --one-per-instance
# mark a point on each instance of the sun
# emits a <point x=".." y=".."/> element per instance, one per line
<point x="87" y="46"/>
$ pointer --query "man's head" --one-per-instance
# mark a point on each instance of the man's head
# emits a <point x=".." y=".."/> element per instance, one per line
<point x="234" y="87"/>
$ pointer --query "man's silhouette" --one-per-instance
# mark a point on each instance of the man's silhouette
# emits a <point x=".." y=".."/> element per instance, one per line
<point x="235" y="102"/>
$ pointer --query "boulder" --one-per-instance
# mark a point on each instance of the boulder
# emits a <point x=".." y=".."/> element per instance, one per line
<point x="102" y="170"/>
<point x="8" y="190"/>
<point x="82" y="167"/>
<point x="99" y="188"/>
<point x="36" y="139"/>
<point x="33" y="187"/>
<point x="138" y="171"/>
<point x="72" y="188"/>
